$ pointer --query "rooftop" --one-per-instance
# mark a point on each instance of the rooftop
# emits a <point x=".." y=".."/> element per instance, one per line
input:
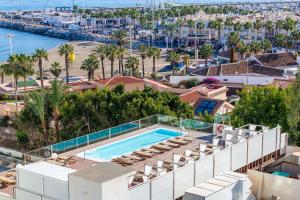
<point x="115" y="80"/>
<point x="102" y="172"/>
<point x="48" y="169"/>
<point x="277" y="60"/>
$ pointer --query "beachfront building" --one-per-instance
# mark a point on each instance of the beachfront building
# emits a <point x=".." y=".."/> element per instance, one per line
<point x="117" y="164"/>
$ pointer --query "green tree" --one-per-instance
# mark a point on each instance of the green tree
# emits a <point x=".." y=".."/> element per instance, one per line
<point x="133" y="64"/>
<point x="3" y="71"/>
<point x="233" y="41"/>
<point x="143" y="53"/>
<point x="100" y="51"/>
<point x="174" y="58"/>
<point x="55" y="69"/>
<point x="90" y="64"/>
<point x="39" y="55"/>
<point x="266" y="45"/>
<point x="293" y="117"/>
<point x="120" y="36"/>
<point x="206" y="51"/>
<point x="36" y="102"/>
<point x="56" y="96"/>
<point x="111" y="54"/>
<point x="155" y="54"/>
<point x="186" y="61"/>
<point x="255" y="47"/>
<point x="261" y="105"/>
<point x="66" y="50"/>
<point x="248" y="26"/>
<point x="257" y="26"/>
<point x="22" y="139"/>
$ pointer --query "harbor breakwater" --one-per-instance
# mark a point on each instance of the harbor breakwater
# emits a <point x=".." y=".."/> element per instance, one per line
<point x="71" y="35"/>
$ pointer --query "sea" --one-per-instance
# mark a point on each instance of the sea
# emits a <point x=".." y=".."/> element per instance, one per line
<point x="26" y="42"/>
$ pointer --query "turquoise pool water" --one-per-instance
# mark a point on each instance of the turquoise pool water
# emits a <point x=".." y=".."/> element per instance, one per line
<point x="126" y="146"/>
<point x="93" y="137"/>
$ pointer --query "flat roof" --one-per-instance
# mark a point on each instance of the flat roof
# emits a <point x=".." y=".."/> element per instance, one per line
<point x="199" y="191"/>
<point x="48" y="169"/>
<point x="210" y="186"/>
<point x="103" y="172"/>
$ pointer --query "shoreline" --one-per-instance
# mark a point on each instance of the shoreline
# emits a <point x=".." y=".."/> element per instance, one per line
<point x="70" y="35"/>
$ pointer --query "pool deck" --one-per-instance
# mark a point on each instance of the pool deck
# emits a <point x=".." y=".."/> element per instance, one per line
<point x="82" y="163"/>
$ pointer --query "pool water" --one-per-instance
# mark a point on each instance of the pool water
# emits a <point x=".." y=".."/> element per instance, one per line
<point x="128" y="145"/>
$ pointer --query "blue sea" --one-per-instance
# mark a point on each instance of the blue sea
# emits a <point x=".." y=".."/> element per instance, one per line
<point x="27" y="42"/>
<point x="23" y="42"/>
<point x="42" y="4"/>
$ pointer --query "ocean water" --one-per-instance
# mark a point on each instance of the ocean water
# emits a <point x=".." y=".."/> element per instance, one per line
<point x="42" y="4"/>
<point x="23" y="42"/>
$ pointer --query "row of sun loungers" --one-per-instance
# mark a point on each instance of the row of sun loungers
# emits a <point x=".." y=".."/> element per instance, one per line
<point x="150" y="152"/>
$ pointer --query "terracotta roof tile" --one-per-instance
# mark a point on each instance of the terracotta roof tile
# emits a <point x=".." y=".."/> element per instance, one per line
<point x="277" y="60"/>
<point x="214" y="71"/>
<point x="119" y="80"/>
<point x="235" y="68"/>
<point x="190" y="97"/>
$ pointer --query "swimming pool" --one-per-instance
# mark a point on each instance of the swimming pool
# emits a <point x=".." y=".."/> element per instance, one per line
<point x="128" y="145"/>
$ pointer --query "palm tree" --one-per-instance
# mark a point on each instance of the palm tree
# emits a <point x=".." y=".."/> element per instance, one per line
<point x="39" y="55"/>
<point x="56" y="96"/>
<point x="281" y="40"/>
<point x="25" y="63"/>
<point x="66" y="50"/>
<point x="219" y="26"/>
<point x="121" y="52"/>
<point x="16" y="71"/>
<point x="228" y="23"/>
<point x="200" y="26"/>
<point x="186" y="61"/>
<point x="255" y="47"/>
<point x="174" y="59"/>
<point x="171" y="30"/>
<point x="248" y="26"/>
<point x="111" y="54"/>
<point x="266" y="45"/>
<point x="289" y="25"/>
<point x="90" y="64"/>
<point x="100" y="52"/>
<point x="3" y="71"/>
<point x="243" y="49"/>
<point x="36" y="102"/>
<point x="233" y="41"/>
<point x="268" y="26"/>
<point x="132" y="64"/>
<point x="206" y="51"/>
<point x="237" y="26"/>
<point x="55" y="69"/>
<point x="154" y="53"/>
<point x="257" y="26"/>
<point x="279" y="26"/>
<point x="121" y="37"/>
<point x="212" y="25"/>
<point x="143" y="53"/>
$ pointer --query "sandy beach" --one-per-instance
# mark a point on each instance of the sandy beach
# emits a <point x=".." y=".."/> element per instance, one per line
<point x="82" y="50"/>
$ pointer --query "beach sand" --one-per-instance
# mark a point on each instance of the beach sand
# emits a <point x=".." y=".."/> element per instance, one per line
<point x="82" y="50"/>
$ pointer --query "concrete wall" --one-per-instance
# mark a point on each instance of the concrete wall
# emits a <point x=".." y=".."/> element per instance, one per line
<point x="250" y="80"/>
<point x="265" y="185"/>
<point x="83" y="189"/>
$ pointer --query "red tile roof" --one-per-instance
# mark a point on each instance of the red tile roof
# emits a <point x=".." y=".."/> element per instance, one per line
<point x="276" y="60"/>
<point x="191" y="97"/>
<point x="116" y="80"/>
